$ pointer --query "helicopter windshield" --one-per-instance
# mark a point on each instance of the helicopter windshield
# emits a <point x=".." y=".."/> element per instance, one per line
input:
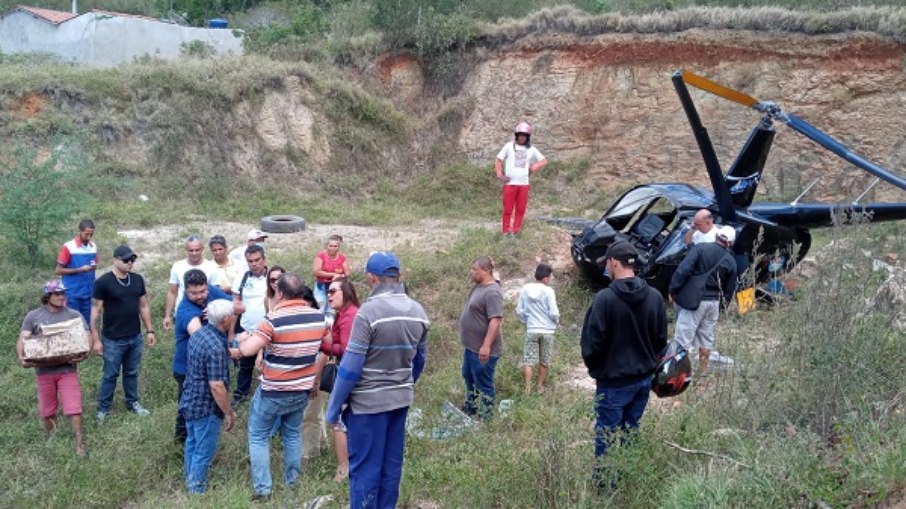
<point x="632" y="201"/>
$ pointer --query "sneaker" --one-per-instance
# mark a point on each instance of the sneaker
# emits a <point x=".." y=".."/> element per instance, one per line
<point x="101" y="417"/>
<point x="716" y="358"/>
<point x="139" y="410"/>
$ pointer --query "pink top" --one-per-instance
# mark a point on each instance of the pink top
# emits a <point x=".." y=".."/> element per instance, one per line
<point x="329" y="264"/>
<point x="342" y="327"/>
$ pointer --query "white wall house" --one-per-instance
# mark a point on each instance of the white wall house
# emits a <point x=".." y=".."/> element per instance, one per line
<point x="104" y="39"/>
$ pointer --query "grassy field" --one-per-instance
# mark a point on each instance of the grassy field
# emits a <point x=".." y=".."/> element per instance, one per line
<point x="813" y="414"/>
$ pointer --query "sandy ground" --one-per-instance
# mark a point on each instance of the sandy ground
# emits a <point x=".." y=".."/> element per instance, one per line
<point x="163" y="244"/>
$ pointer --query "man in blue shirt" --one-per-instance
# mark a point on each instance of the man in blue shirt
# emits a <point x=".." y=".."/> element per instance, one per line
<point x="205" y="402"/>
<point x="77" y="262"/>
<point x="190" y="316"/>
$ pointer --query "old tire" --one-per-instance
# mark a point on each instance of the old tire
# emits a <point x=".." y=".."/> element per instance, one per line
<point x="282" y="224"/>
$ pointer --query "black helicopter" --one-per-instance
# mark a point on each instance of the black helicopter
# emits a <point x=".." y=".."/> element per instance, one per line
<point x="655" y="217"/>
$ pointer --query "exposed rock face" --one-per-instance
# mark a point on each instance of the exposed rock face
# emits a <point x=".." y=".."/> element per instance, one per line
<point x="610" y="100"/>
<point x="285" y="120"/>
<point x="607" y="100"/>
<point x="402" y="74"/>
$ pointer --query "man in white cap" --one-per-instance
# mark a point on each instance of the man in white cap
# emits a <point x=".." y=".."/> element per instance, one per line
<point x="237" y="255"/>
<point x="705" y="279"/>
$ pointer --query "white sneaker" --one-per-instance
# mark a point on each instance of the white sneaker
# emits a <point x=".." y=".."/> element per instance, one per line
<point x="139" y="410"/>
<point x="717" y="358"/>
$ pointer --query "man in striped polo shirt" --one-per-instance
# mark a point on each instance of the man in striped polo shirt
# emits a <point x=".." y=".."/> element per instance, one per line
<point x="386" y="354"/>
<point x="291" y="337"/>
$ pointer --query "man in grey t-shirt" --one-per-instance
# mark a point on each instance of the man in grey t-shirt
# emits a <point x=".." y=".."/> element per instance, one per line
<point x="53" y="379"/>
<point x="386" y="354"/>
<point x="479" y="332"/>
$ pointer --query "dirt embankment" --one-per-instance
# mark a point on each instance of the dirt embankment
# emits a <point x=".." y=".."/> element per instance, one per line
<point x="606" y="99"/>
<point x="609" y="100"/>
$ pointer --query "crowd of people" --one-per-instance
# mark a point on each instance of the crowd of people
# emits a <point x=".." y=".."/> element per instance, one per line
<point x="235" y="314"/>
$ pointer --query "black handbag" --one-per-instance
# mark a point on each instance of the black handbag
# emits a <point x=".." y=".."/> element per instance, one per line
<point x="328" y="376"/>
<point x="690" y="294"/>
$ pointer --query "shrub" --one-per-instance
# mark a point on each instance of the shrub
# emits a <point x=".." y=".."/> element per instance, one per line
<point x="196" y="48"/>
<point x="37" y="198"/>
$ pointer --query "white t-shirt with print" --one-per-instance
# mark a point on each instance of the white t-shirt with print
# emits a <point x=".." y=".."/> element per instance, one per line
<point x="517" y="159"/>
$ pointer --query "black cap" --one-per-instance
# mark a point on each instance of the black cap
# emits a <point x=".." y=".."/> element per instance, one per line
<point x="124" y="253"/>
<point x="623" y="251"/>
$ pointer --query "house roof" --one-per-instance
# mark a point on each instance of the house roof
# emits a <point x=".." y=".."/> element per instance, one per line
<point x="59" y="17"/>
<point x="51" y="16"/>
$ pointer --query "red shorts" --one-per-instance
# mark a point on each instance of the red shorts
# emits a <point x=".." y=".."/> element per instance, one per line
<point x="67" y="384"/>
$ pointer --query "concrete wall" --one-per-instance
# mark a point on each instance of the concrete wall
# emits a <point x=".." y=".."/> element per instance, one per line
<point x="104" y="40"/>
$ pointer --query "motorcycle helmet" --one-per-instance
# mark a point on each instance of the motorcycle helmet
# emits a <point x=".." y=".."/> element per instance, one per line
<point x="674" y="372"/>
<point x="523" y="128"/>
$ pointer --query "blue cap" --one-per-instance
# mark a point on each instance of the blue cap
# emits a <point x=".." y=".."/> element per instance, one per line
<point x="383" y="264"/>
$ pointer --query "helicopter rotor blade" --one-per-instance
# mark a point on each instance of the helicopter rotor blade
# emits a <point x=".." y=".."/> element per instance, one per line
<point x="825" y="140"/>
<point x="719" y="90"/>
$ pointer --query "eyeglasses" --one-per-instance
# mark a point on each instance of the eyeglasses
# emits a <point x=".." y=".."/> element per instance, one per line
<point x="332" y="291"/>
<point x="127" y="260"/>
<point x="274" y="279"/>
<point x="61" y="292"/>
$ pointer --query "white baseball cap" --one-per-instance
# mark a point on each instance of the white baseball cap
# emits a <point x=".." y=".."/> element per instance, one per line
<point x="255" y="235"/>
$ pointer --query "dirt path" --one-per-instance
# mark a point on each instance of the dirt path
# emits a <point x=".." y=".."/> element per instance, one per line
<point x="163" y="244"/>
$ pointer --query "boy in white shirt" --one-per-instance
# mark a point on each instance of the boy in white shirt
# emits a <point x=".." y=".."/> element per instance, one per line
<point x="537" y="309"/>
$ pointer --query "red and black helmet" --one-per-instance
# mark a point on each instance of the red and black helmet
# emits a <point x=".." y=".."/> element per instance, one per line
<point x="674" y="371"/>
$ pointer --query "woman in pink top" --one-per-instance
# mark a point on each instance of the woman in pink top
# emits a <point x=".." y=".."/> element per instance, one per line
<point x="329" y="265"/>
<point x="342" y="298"/>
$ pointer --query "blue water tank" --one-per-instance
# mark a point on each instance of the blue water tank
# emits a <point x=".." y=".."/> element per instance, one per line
<point x="217" y="23"/>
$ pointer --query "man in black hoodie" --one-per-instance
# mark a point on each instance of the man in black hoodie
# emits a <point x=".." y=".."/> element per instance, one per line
<point x="698" y="309"/>
<point x="624" y="332"/>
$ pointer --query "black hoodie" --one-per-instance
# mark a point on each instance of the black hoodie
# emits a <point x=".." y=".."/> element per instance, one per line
<point x="625" y="330"/>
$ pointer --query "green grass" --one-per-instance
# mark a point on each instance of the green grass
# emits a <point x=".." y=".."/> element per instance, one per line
<point x="767" y="417"/>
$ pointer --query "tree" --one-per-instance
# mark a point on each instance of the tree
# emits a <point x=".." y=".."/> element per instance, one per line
<point x="39" y="196"/>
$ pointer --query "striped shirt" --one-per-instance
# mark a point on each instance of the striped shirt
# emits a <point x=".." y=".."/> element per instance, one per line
<point x="387" y="330"/>
<point x="292" y="332"/>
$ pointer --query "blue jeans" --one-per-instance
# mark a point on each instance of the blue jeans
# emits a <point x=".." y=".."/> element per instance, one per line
<point x="479" y="380"/>
<point x="618" y="409"/>
<point x="125" y="354"/>
<point x="263" y="412"/>
<point x="376" y="443"/>
<point x="244" y="378"/>
<point x="201" y="444"/>
<point x="180" y="430"/>
<point x="82" y="305"/>
<point x="321" y="294"/>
